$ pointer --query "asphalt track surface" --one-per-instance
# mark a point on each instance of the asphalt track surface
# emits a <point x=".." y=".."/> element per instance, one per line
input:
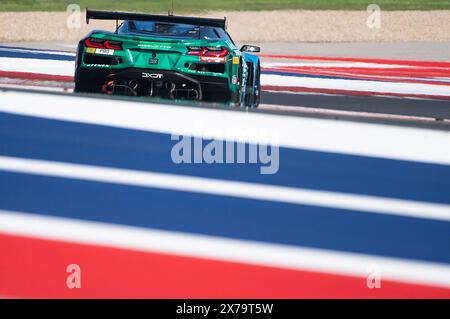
<point x="398" y="111"/>
<point x="397" y="106"/>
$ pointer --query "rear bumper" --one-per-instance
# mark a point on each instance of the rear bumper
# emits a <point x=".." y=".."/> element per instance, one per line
<point x="155" y="82"/>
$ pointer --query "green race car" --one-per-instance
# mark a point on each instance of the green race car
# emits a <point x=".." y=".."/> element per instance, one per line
<point x="171" y="57"/>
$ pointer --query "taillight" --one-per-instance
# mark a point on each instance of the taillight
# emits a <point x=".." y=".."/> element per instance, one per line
<point x="195" y="50"/>
<point x="103" y="44"/>
<point x="209" y="54"/>
<point x="216" y="51"/>
<point x="114" y="45"/>
<point x="94" y="43"/>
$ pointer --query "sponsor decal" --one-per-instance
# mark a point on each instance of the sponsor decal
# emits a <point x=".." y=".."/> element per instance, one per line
<point x="90" y="50"/>
<point x="152" y="75"/>
<point x="98" y="65"/>
<point x="153" y="46"/>
<point x="234" y="79"/>
<point x="153" y="61"/>
<point x="104" y="51"/>
<point x="235" y="60"/>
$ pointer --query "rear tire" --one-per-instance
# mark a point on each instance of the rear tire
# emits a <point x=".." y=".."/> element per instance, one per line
<point x="257" y="95"/>
<point x="89" y="81"/>
<point x="252" y="100"/>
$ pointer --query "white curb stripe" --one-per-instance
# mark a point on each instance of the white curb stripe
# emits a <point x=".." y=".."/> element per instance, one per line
<point x="242" y="251"/>
<point x="362" y="203"/>
<point x="375" y="140"/>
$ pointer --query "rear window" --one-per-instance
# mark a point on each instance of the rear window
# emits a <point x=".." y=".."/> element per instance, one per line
<point x="171" y="30"/>
<point x="163" y="29"/>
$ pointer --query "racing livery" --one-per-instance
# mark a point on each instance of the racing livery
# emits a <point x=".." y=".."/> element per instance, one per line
<point x="171" y="57"/>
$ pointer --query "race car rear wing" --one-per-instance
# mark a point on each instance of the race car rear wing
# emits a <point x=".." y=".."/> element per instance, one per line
<point x="106" y="15"/>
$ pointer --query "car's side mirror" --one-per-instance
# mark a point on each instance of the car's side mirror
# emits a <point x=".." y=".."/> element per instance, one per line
<point x="250" y="48"/>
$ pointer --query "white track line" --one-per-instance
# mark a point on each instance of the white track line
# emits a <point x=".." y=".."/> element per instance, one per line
<point x="356" y="85"/>
<point x="36" y="51"/>
<point x="364" y="139"/>
<point x="51" y="67"/>
<point x="338" y="64"/>
<point x="363" y="203"/>
<point x="36" y="87"/>
<point x="231" y="250"/>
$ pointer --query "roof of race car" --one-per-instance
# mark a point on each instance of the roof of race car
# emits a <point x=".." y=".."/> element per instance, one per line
<point x="171" y="30"/>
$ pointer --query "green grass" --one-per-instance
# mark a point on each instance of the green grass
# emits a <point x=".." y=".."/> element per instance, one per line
<point x="182" y="6"/>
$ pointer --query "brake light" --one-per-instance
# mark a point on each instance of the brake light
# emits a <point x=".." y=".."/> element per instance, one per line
<point x="114" y="45"/>
<point x="195" y="50"/>
<point x="94" y="43"/>
<point x="209" y="54"/>
<point x="218" y="52"/>
<point x="103" y="44"/>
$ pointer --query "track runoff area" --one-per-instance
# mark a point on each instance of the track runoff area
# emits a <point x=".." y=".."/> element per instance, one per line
<point x="324" y="208"/>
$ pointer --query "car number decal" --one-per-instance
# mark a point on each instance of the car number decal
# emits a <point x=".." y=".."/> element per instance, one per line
<point x="104" y="51"/>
